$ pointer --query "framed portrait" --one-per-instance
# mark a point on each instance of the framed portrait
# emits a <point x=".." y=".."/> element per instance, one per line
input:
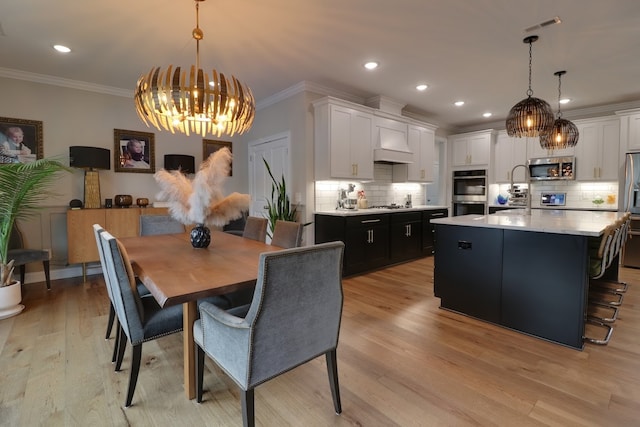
<point x="20" y="140"/>
<point x="134" y="151"/>
<point x="210" y="146"/>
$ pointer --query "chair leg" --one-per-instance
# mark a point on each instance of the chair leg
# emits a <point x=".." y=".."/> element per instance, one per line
<point x="47" y="276"/>
<point x="122" y="344"/>
<point x="248" y="410"/>
<point x="135" y="369"/>
<point x="199" y="372"/>
<point x="116" y="345"/>
<point x="112" y="316"/>
<point x="332" y="369"/>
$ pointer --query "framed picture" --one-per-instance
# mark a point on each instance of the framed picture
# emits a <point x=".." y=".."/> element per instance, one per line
<point x="134" y="151"/>
<point x="20" y="140"/>
<point x="210" y="146"/>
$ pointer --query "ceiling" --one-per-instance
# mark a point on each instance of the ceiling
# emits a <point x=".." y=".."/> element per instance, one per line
<point x="463" y="49"/>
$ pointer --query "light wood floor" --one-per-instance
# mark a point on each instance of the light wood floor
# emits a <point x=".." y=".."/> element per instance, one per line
<point x="402" y="361"/>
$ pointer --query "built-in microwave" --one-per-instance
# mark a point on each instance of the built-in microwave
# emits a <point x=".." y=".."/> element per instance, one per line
<point x="552" y="168"/>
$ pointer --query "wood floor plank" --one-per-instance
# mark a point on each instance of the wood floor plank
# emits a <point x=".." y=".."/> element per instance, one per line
<point x="402" y="361"/>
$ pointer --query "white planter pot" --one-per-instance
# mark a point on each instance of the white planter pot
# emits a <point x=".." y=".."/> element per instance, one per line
<point x="10" y="297"/>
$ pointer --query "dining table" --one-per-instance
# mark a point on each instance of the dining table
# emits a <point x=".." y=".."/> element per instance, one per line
<point x="177" y="273"/>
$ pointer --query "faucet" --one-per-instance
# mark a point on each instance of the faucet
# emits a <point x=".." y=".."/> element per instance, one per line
<point x="527" y="210"/>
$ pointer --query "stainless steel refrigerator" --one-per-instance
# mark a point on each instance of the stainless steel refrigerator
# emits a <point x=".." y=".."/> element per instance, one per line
<point x="631" y="253"/>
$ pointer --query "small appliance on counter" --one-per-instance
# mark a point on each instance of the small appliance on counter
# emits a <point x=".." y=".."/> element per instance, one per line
<point x="344" y="201"/>
<point x="519" y="196"/>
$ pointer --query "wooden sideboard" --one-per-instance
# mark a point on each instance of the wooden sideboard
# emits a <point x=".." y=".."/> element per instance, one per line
<point x="121" y="222"/>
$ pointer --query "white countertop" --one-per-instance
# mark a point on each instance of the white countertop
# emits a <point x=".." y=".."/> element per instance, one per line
<point x="350" y="212"/>
<point x="584" y="223"/>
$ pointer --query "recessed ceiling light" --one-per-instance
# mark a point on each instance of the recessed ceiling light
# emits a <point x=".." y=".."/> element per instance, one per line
<point x="61" y="48"/>
<point x="565" y="101"/>
<point x="487" y="115"/>
<point x="422" y="87"/>
<point x="372" y="65"/>
<point x="458" y="103"/>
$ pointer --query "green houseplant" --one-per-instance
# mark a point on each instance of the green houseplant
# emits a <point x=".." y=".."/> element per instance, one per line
<point x="23" y="186"/>
<point x="279" y="207"/>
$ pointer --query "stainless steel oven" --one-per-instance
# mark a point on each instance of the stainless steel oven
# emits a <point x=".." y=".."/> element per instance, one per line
<point x="469" y="192"/>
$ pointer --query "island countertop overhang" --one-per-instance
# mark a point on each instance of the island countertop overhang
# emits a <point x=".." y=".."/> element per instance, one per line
<point x="582" y="223"/>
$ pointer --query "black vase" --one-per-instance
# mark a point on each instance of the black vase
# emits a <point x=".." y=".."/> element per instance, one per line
<point x="200" y="236"/>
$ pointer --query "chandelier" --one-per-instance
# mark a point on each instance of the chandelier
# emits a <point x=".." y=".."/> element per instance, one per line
<point x="564" y="133"/>
<point x="532" y="116"/>
<point x="191" y="102"/>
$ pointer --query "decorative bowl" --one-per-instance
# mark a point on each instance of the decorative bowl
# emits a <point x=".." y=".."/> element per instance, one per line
<point x="123" y="200"/>
<point x="502" y="199"/>
<point x="142" y="202"/>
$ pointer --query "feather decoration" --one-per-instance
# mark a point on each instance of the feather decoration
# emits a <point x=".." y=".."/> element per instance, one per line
<point x="201" y="200"/>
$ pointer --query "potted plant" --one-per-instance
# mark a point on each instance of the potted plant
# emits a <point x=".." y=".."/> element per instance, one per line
<point x="200" y="200"/>
<point x="22" y="187"/>
<point x="279" y="207"/>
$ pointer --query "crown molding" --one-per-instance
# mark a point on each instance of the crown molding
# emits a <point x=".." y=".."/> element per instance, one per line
<point x="58" y="81"/>
<point x="306" y="86"/>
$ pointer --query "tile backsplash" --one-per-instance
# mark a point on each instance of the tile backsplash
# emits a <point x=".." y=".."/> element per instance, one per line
<point x="381" y="191"/>
<point x="580" y="195"/>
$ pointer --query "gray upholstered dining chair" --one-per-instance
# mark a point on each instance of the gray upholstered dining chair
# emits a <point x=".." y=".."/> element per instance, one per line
<point x="236" y="226"/>
<point x="151" y="225"/>
<point x="255" y="228"/>
<point x="23" y="256"/>
<point x="139" y="319"/>
<point x="287" y="234"/>
<point x="294" y="317"/>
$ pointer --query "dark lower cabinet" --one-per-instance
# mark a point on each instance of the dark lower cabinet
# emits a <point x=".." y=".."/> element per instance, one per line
<point x="428" y="229"/>
<point x="366" y="243"/>
<point x="406" y="236"/>
<point x="376" y="240"/>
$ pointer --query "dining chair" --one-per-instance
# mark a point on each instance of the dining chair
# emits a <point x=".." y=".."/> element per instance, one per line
<point x="151" y="225"/>
<point x="23" y="256"/>
<point x="287" y="234"/>
<point x="236" y="227"/>
<point x="294" y="317"/>
<point x="139" y="319"/>
<point x="255" y="228"/>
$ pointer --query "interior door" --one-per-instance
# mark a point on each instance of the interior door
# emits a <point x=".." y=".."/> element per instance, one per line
<point x="275" y="150"/>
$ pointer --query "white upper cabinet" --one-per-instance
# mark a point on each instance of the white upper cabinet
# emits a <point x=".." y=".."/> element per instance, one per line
<point x="509" y="152"/>
<point x="421" y="141"/>
<point x="536" y="151"/>
<point x="343" y="143"/>
<point x="597" y="149"/>
<point x="630" y="130"/>
<point x="471" y="149"/>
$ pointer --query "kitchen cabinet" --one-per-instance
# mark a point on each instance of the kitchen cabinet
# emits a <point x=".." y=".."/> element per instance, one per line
<point x="630" y="130"/>
<point x="428" y="229"/>
<point x="535" y="151"/>
<point x="343" y="140"/>
<point x="509" y="152"/>
<point x="366" y="243"/>
<point x="406" y="236"/>
<point x="421" y="141"/>
<point x="597" y="149"/>
<point x="471" y="149"/>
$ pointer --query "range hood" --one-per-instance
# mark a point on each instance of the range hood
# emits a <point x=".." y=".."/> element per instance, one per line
<point x="392" y="147"/>
<point x="391" y="143"/>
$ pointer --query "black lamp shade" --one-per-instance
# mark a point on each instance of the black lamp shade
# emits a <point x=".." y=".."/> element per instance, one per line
<point x="181" y="162"/>
<point x="89" y="157"/>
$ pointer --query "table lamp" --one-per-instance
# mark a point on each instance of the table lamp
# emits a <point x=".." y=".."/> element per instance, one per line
<point x="181" y="162"/>
<point x="90" y="159"/>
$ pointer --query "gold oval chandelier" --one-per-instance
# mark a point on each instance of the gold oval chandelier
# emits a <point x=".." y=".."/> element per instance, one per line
<point x="563" y="133"/>
<point x="532" y="116"/>
<point x="191" y="102"/>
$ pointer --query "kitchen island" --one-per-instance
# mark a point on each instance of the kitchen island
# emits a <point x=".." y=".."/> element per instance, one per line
<point x="525" y="272"/>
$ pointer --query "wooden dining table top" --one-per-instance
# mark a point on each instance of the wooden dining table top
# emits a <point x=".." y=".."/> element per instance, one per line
<point x="175" y="272"/>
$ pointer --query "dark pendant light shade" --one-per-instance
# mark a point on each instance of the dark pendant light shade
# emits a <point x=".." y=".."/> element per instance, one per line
<point x="563" y="134"/>
<point x="532" y="116"/>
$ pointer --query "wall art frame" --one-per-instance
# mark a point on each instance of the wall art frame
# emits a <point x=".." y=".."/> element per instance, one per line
<point x="210" y="146"/>
<point x="134" y="151"/>
<point x="21" y="140"/>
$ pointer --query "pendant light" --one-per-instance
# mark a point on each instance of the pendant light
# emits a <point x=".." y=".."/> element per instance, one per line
<point x="530" y="117"/>
<point x="191" y="102"/>
<point x="564" y="133"/>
